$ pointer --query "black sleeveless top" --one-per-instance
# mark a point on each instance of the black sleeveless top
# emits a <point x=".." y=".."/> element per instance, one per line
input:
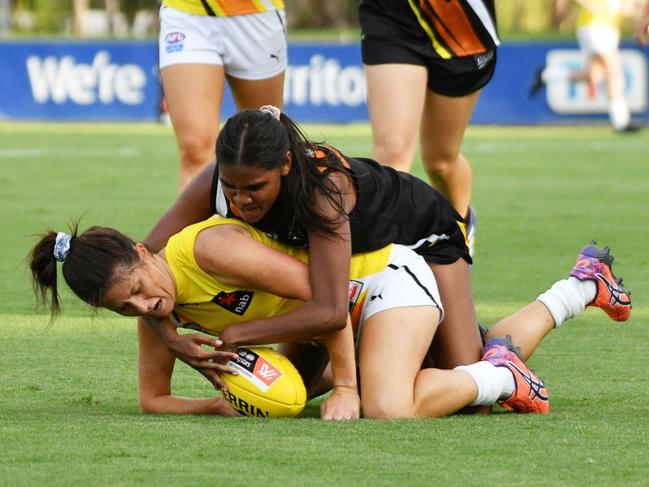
<point x="391" y="207"/>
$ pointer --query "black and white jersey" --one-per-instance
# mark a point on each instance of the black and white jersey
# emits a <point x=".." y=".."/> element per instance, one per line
<point x="391" y="207"/>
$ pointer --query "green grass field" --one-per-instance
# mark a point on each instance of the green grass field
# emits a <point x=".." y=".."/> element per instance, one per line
<point x="68" y="405"/>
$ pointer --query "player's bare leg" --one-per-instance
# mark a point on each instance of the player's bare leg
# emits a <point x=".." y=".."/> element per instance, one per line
<point x="591" y="283"/>
<point x="253" y="94"/>
<point x="392" y="347"/>
<point x="395" y="98"/>
<point x="193" y="93"/>
<point x="457" y="340"/>
<point x="527" y="328"/>
<point x="443" y="123"/>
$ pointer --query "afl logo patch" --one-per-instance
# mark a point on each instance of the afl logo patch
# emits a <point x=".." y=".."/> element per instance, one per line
<point x="174" y="37"/>
<point x="355" y="288"/>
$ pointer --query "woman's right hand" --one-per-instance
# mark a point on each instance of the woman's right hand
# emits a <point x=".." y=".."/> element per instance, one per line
<point x="190" y="349"/>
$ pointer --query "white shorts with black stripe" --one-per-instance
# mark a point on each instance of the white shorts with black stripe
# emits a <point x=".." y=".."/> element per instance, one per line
<point x="407" y="281"/>
<point x="248" y="47"/>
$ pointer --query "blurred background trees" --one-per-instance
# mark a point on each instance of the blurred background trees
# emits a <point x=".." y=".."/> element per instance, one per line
<point x="331" y="19"/>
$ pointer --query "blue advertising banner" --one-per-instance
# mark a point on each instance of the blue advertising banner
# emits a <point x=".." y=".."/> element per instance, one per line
<point x="79" y="81"/>
<point x="323" y="83"/>
<point x="506" y="99"/>
<point x="50" y="80"/>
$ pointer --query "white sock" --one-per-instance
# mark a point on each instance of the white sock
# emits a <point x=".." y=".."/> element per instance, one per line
<point x="567" y="298"/>
<point x="555" y="73"/>
<point x="493" y="382"/>
<point x="618" y="113"/>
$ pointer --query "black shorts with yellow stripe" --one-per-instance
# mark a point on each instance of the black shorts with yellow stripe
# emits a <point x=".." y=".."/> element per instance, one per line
<point x="396" y="35"/>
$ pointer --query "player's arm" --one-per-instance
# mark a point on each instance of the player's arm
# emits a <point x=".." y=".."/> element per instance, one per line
<point x="344" y="401"/>
<point x="323" y="284"/>
<point x="192" y="205"/>
<point x="325" y="311"/>
<point x="190" y="348"/>
<point x="155" y="368"/>
<point x="231" y="255"/>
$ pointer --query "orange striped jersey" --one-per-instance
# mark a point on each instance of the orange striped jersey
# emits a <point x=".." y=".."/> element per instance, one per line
<point x="457" y="28"/>
<point x="451" y="28"/>
<point x="224" y="8"/>
<point x="203" y="303"/>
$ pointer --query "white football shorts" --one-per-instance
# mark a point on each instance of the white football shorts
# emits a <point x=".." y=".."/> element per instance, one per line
<point x="407" y="281"/>
<point x="598" y="39"/>
<point x="248" y="46"/>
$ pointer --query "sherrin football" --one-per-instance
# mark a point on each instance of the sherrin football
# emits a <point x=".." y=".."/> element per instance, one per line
<point x="268" y="384"/>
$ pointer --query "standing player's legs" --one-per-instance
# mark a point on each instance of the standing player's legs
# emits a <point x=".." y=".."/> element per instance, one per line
<point x="619" y="112"/>
<point x="194" y="93"/>
<point x="253" y="93"/>
<point x="196" y="53"/>
<point x="601" y="45"/>
<point x="443" y="123"/>
<point x="593" y="74"/>
<point x="193" y="78"/>
<point x="395" y="98"/>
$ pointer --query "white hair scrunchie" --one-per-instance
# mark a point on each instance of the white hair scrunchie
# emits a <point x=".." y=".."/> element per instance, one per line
<point x="273" y="110"/>
<point x="62" y="246"/>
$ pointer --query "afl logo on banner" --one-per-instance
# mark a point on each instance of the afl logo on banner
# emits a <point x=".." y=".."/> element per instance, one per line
<point x="568" y="97"/>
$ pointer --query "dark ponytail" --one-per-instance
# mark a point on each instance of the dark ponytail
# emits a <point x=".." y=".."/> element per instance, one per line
<point x="89" y="267"/>
<point x="255" y="138"/>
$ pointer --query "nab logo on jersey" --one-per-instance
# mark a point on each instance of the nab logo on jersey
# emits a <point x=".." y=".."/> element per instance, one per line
<point x="236" y="302"/>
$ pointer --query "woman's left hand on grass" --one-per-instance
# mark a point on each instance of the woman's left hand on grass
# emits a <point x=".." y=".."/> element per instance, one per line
<point x="342" y="403"/>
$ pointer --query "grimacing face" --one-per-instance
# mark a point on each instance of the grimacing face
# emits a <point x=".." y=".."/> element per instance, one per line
<point x="146" y="289"/>
<point x="252" y="190"/>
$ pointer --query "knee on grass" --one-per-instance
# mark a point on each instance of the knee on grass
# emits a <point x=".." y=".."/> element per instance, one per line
<point x="386" y="408"/>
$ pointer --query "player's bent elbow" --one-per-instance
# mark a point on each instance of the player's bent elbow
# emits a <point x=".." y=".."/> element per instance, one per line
<point x="147" y="406"/>
<point x="332" y="320"/>
<point x="150" y="405"/>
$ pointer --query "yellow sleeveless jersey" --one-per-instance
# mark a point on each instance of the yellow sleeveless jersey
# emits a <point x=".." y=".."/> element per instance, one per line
<point x="224" y="8"/>
<point x="203" y="303"/>
<point x="603" y="12"/>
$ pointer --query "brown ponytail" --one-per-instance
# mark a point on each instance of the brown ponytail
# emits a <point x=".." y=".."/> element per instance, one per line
<point x="89" y="267"/>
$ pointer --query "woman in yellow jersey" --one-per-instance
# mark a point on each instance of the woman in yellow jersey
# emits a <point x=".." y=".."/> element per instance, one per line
<point x="394" y="305"/>
<point x="202" y="44"/>
<point x="599" y="23"/>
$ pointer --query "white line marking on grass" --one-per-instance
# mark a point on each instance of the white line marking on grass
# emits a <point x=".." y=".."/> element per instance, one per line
<point x="541" y="146"/>
<point x="68" y="152"/>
